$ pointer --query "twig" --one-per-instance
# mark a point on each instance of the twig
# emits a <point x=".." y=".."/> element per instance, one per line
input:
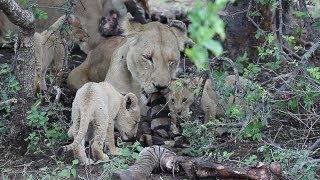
<point x="303" y="6"/>
<point x="238" y="90"/>
<point x="315" y="145"/>
<point x="204" y="80"/>
<point x="9" y="101"/>
<point x="288" y="50"/>
<point x="251" y="20"/>
<point x="306" y="57"/>
<point x="275" y="137"/>
<point x="58" y="95"/>
<point x="280" y="25"/>
<point x="54" y="7"/>
<point x="312" y="161"/>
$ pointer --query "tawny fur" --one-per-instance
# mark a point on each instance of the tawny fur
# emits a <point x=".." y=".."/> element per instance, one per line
<point x="49" y="47"/>
<point x="146" y="57"/>
<point x="89" y="13"/>
<point x="101" y="107"/>
<point x="180" y="97"/>
<point x="210" y="102"/>
<point x="209" y="99"/>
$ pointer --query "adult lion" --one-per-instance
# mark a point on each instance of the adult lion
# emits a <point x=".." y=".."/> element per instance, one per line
<point x="146" y="59"/>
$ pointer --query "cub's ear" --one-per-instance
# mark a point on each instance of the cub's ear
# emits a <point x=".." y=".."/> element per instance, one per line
<point x="72" y="19"/>
<point x="194" y="82"/>
<point x="180" y="30"/>
<point x="129" y="26"/>
<point x="131" y="101"/>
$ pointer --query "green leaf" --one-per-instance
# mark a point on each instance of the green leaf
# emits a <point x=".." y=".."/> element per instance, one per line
<point x="316" y="25"/>
<point x="258" y="34"/>
<point x="125" y="152"/>
<point x="75" y="162"/>
<point x="64" y="173"/>
<point x="40" y="14"/>
<point x="73" y="172"/>
<point x="139" y="148"/>
<point x="135" y="155"/>
<point x="300" y="14"/>
<point x="293" y="104"/>
<point x="214" y="46"/>
<point x="314" y="72"/>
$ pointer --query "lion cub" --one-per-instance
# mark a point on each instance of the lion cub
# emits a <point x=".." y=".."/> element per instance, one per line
<point x="180" y="97"/>
<point x="101" y="107"/>
<point x="50" y="46"/>
<point x="210" y="101"/>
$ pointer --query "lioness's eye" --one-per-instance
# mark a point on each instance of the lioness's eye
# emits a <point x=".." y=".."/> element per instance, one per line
<point x="184" y="100"/>
<point x="148" y="57"/>
<point x="172" y="100"/>
<point x="172" y="63"/>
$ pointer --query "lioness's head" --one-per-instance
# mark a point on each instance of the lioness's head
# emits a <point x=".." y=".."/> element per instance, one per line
<point x="180" y="97"/>
<point x="154" y="52"/>
<point x="128" y="116"/>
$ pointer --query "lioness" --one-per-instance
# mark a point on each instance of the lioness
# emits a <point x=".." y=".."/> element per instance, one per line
<point x="104" y="107"/>
<point x="49" y="47"/>
<point x="146" y="59"/>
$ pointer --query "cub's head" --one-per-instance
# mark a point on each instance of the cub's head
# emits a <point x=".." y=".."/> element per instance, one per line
<point x="128" y="116"/>
<point x="180" y="97"/>
<point x="77" y="33"/>
<point x="153" y="53"/>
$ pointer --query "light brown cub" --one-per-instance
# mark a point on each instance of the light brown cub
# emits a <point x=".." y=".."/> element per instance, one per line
<point x="49" y="47"/>
<point x="210" y="101"/>
<point x="180" y="97"/>
<point x="100" y="107"/>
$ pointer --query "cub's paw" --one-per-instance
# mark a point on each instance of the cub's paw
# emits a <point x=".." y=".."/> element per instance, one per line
<point x="106" y="157"/>
<point x="87" y="161"/>
<point x="115" y="151"/>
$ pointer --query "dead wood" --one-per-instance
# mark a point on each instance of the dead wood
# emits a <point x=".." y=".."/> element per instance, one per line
<point x="158" y="158"/>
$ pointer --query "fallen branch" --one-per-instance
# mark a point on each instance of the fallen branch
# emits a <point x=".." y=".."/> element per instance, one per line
<point x="157" y="157"/>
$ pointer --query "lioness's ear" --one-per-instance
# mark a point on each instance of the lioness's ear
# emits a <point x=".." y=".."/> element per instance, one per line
<point x="180" y="30"/>
<point x="131" y="101"/>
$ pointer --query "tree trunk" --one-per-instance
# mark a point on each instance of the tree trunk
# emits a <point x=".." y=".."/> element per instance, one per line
<point x="25" y="73"/>
<point x="242" y="26"/>
<point x="24" y="70"/>
<point x="240" y="31"/>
